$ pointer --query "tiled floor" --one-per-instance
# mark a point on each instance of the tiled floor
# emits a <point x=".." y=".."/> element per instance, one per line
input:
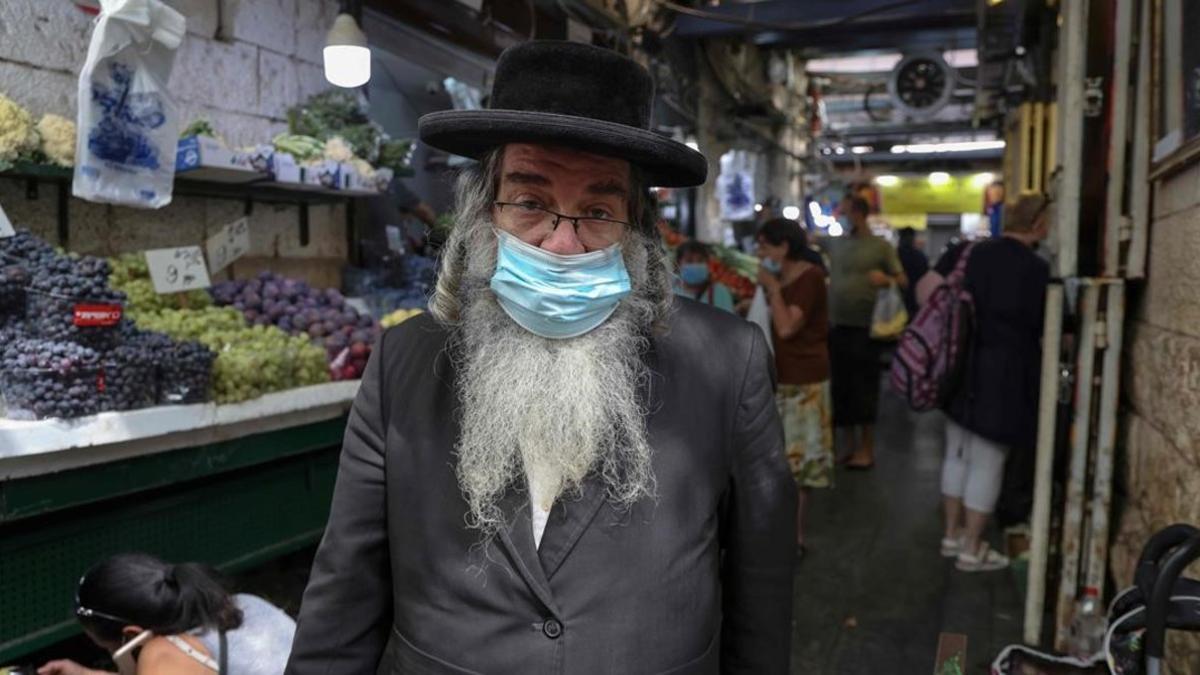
<point x="873" y="563"/>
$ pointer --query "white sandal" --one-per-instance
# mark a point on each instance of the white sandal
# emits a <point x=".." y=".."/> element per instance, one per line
<point x="951" y="547"/>
<point x="984" y="560"/>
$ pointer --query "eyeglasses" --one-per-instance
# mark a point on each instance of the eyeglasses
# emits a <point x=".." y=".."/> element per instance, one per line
<point x="527" y="219"/>
<point x="85" y="613"/>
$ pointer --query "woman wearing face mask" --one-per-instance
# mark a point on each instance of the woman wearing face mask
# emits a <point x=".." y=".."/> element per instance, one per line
<point x="692" y="257"/>
<point x="163" y="619"/>
<point x="794" y="279"/>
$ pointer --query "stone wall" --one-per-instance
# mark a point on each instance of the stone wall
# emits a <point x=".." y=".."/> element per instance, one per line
<point x="242" y="65"/>
<point x="1160" y="422"/>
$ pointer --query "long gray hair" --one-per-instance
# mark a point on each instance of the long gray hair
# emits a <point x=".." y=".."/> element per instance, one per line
<point x="475" y="191"/>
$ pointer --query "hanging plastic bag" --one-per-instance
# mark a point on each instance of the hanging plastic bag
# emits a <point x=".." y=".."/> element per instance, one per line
<point x="760" y="314"/>
<point x="128" y="124"/>
<point x="890" y="317"/>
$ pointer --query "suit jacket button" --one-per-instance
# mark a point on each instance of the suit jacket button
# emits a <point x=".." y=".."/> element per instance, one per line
<point x="552" y="628"/>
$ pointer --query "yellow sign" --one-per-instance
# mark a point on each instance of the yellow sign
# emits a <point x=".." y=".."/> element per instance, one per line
<point x="919" y="194"/>
<point x="896" y="221"/>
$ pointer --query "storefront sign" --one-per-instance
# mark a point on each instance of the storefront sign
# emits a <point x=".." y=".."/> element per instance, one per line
<point x="177" y="269"/>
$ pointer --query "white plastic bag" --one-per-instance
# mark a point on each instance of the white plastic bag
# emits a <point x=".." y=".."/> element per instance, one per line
<point x="890" y="317"/>
<point x="128" y="124"/>
<point x="760" y="313"/>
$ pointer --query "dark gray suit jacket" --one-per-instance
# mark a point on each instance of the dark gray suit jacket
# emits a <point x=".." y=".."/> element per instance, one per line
<point x="698" y="582"/>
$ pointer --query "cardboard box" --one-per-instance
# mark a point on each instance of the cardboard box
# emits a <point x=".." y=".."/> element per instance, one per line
<point x="205" y="158"/>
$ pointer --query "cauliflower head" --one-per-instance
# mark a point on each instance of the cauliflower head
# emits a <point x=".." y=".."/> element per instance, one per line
<point x="337" y="149"/>
<point x="364" y="168"/>
<point x="58" y="139"/>
<point x="17" y="133"/>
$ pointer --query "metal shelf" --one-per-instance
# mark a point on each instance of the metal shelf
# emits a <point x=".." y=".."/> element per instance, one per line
<point x="260" y="191"/>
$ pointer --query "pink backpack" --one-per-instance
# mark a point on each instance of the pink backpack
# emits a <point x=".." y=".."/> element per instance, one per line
<point x="932" y="353"/>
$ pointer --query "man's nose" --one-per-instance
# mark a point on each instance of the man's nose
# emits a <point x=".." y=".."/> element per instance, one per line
<point x="563" y="240"/>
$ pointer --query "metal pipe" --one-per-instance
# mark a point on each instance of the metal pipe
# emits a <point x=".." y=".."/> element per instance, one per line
<point x="1039" y="544"/>
<point x="1139" y="198"/>
<point x="1072" y="523"/>
<point x="1115" y="218"/>
<point x="1110" y="382"/>
<point x="1072" y="71"/>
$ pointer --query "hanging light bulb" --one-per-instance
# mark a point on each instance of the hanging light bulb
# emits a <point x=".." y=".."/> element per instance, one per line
<point x="347" y="58"/>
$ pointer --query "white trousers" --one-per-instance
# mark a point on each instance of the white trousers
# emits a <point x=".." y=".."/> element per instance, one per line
<point x="973" y="470"/>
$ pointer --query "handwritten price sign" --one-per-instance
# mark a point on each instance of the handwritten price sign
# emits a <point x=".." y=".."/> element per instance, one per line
<point x="177" y="269"/>
<point x="231" y="243"/>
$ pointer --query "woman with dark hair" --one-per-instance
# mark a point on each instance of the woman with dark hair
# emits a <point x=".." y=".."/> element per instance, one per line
<point x="183" y="619"/>
<point x="793" y="277"/>
<point x="695" y="281"/>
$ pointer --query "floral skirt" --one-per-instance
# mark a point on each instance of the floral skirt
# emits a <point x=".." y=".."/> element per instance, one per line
<point x="808" y="432"/>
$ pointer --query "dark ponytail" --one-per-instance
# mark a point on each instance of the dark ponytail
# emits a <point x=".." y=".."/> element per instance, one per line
<point x="142" y="590"/>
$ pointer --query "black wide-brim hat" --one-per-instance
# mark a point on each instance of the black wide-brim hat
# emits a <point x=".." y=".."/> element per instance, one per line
<point x="572" y="94"/>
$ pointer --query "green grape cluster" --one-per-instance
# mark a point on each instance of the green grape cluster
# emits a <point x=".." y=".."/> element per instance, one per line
<point x="251" y="360"/>
<point x="131" y="275"/>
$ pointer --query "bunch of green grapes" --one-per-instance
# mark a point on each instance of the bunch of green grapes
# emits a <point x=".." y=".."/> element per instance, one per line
<point x="131" y="275"/>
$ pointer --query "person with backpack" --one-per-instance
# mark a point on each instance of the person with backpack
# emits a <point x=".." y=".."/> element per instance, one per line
<point x="992" y="410"/>
<point x="163" y="619"/>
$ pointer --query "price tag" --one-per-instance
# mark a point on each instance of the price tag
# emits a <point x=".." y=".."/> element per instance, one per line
<point x="177" y="269"/>
<point x="231" y="243"/>
<point x="6" y="228"/>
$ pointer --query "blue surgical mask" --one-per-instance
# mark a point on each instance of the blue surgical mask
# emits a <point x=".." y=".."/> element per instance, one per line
<point x="558" y="296"/>
<point x="693" y="274"/>
<point x="772" y="265"/>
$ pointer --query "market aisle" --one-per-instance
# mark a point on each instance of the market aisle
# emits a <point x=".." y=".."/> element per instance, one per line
<point x="873" y="556"/>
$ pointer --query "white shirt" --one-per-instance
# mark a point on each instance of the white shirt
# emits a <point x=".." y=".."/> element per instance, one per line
<point x="539" y="509"/>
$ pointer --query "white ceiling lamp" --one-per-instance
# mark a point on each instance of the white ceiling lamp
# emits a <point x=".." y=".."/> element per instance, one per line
<point x="887" y="181"/>
<point x="939" y="178"/>
<point x="347" y="57"/>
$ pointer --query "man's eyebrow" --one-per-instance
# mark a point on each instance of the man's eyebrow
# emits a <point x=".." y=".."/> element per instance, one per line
<point x="608" y="187"/>
<point x="525" y="178"/>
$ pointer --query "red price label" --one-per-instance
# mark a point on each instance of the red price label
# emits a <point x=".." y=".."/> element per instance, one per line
<point x="97" y="315"/>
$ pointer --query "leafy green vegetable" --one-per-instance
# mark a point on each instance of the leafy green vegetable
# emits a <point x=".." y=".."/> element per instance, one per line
<point x="199" y="127"/>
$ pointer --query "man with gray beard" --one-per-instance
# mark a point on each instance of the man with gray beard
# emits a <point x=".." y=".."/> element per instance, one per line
<point x="563" y="468"/>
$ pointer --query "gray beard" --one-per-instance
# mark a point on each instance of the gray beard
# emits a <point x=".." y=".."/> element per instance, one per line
<point x="556" y="411"/>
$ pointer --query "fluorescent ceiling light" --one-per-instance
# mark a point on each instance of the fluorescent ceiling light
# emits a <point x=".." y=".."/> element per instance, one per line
<point x="839" y="150"/>
<point x="758" y="208"/>
<point x="791" y="212"/>
<point x="814" y="209"/>
<point x="887" y="181"/>
<point x="347" y="58"/>
<point x="959" y="146"/>
<point x="835" y="230"/>
<point x="882" y="63"/>
<point x="861" y="149"/>
<point x="939" y="178"/>
<point x="983" y="179"/>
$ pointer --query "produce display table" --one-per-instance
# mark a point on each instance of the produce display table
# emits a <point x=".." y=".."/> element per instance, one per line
<point x="231" y="485"/>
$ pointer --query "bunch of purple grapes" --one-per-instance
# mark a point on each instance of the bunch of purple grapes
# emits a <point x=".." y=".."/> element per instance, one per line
<point x="13" y="280"/>
<point x="60" y="283"/>
<point x="47" y="378"/>
<point x="295" y="307"/>
<point x="180" y="372"/>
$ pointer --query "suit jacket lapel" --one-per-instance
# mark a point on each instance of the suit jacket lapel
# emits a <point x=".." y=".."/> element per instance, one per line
<point x="517" y="539"/>
<point x="569" y="517"/>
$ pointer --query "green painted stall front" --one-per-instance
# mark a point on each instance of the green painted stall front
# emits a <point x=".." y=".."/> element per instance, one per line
<point x="232" y="504"/>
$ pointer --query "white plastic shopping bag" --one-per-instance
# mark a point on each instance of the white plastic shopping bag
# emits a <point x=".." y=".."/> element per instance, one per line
<point x="890" y="317"/>
<point x="128" y="124"/>
<point x="760" y="313"/>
